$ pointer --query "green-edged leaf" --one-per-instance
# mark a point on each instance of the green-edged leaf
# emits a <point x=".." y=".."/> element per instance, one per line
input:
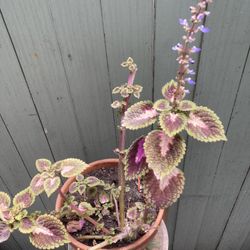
<point x="43" y="165"/>
<point x="169" y="89"/>
<point x="4" y="232"/>
<point x="4" y="201"/>
<point x="140" y="115"/>
<point x="163" y="153"/>
<point x="26" y="225"/>
<point x="162" y="105"/>
<point x="71" y="167"/>
<point x="132" y="213"/>
<point x="51" y="185"/>
<point x="186" y="105"/>
<point x="93" y="181"/>
<point x="204" y="125"/>
<point x="36" y="184"/>
<point x="135" y="160"/>
<point x="165" y="194"/>
<point x="172" y="123"/>
<point x="49" y="233"/>
<point x="25" y="198"/>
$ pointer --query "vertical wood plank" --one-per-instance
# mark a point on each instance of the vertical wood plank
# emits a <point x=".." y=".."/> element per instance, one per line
<point x="79" y="30"/>
<point x="230" y="180"/>
<point x="221" y="65"/>
<point x="129" y="29"/>
<point x="30" y="27"/>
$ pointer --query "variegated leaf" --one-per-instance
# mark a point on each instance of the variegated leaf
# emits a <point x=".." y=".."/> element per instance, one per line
<point x="135" y="160"/>
<point x="75" y="225"/>
<point x="43" y="165"/>
<point x="164" y="194"/>
<point x="163" y="153"/>
<point x="25" y="198"/>
<point x="140" y="115"/>
<point x="26" y="225"/>
<point x="51" y="185"/>
<point x="36" y="184"/>
<point x="49" y="233"/>
<point x="4" y="232"/>
<point x="204" y="125"/>
<point x="132" y="213"/>
<point x="169" y="89"/>
<point x="93" y="181"/>
<point x="4" y="201"/>
<point x="162" y="105"/>
<point x="103" y="197"/>
<point x="172" y="123"/>
<point x="186" y="105"/>
<point x="71" y="167"/>
<point x="73" y="187"/>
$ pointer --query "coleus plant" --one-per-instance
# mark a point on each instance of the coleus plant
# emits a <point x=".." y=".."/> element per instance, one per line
<point x="151" y="159"/>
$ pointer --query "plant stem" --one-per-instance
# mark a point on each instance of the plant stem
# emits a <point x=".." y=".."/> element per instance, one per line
<point x="116" y="211"/>
<point x="91" y="237"/>
<point x="122" y="142"/>
<point x="86" y="217"/>
<point x="114" y="239"/>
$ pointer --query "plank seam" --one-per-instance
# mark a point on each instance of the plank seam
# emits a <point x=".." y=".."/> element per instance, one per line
<point x="153" y="52"/>
<point x="67" y="83"/>
<point x="26" y="82"/>
<point x="108" y="68"/>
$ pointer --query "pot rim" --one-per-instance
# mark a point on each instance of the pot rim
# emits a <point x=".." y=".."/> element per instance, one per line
<point x="139" y="243"/>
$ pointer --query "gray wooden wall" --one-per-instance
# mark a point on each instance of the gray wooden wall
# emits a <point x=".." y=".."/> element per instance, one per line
<point x="59" y="59"/>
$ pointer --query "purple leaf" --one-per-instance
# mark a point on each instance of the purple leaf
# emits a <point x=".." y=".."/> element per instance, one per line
<point x="172" y="123"/>
<point x="43" y="165"/>
<point x="204" y="125"/>
<point x="71" y="167"/>
<point x="73" y="187"/>
<point x="49" y="233"/>
<point x="163" y="153"/>
<point x="186" y="105"/>
<point x="51" y="185"/>
<point x="169" y="89"/>
<point x="4" y="201"/>
<point x="4" y="232"/>
<point x="25" y="198"/>
<point x="164" y="194"/>
<point x="135" y="160"/>
<point x="92" y="181"/>
<point x="162" y="105"/>
<point x="74" y="226"/>
<point x="36" y="184"/>
<point x="140" y="115"/>
<point x="26" y="225"/>
<point x="103" y="197"/>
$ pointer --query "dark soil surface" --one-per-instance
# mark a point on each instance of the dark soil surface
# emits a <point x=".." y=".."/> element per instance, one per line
<point x="109" y="175"/>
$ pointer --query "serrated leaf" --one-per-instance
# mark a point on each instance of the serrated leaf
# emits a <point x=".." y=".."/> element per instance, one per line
<point x="73" y="187"/>
<point x="204" y="125"/>
<point x="169" y="89"/>
<point x="51" y="185"/>
<point x="71" y="167"/>
<point x="49" y="233"/>
<point x="162" y="105"/>
<point x="163" y="153"/>
<point x="4" y="201"/>
<point x="186" y="105"/>
<point x="4" y="232"/>
<point x="164" y="194"/>
<point x="140" y="115"/>
<point x="132" y="213"/>
<point x="93" y="181"/>
<point x="43" y="165"/>
<point x="25" y="198"/>
<point x="135" y="160"/>
<point x="26" y="225"/>
<point x="36" y="184"/>
<point x="172" y="123"/>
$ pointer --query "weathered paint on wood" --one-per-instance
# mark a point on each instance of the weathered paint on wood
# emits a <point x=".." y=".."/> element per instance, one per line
<point x="60" y="59"/>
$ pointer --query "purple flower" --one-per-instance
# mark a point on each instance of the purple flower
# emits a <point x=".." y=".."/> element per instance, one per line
<point x="177" y="47"/>
<point x="200" y="16"/>
<point x="191" y="60"/>
<point x="187" y="91"/>
<point x="194" y="49"/>
<point x="204" y="29"/>
<point x="183" y="22"/>
<point x="191" y="72"/>
<point x="190" y="81"/>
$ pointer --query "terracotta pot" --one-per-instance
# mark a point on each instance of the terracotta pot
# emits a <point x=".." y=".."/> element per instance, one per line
<point x="138" y="244"/>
